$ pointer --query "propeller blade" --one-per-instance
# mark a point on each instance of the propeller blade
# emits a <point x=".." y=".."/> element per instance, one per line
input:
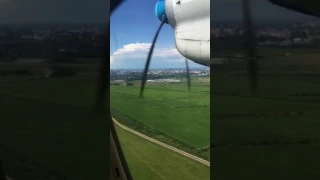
<point x="188" y="74"/>
<point x="146" y="69"/>
<point x="250" y="46"/>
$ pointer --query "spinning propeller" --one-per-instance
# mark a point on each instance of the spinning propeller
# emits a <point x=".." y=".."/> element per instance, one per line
<point x="161" y="15"/>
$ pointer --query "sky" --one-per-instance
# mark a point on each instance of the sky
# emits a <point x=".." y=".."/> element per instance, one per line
<point x="133" y="27"/>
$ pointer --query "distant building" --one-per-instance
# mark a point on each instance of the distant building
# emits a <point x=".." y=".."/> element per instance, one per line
<point x="121" y="83"/>
<point x="128" y="84"/>
<point x="165" y="80"/>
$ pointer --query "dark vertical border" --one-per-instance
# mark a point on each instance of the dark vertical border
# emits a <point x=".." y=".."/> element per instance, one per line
<point x="211" y="122"/>
<point x="211" y="100"/>
<point x="114" y="4"/>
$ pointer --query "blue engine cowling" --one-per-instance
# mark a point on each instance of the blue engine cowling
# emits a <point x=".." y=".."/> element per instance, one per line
<point x="160" y="11"/>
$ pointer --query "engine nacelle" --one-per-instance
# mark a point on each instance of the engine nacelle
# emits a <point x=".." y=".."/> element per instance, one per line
<point x="190" y="20"/>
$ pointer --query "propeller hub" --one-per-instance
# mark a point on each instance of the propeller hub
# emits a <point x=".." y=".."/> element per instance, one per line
<point x="160" y="10"/>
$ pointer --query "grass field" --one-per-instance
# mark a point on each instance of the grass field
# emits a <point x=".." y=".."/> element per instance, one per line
<point x="171" y="114"/>
<point x="169" y="110"/>
<point x="149" y="161"/>
<point x="273" y="134"/>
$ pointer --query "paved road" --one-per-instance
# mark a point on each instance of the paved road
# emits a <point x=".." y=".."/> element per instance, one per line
<point x="190" y="156"/>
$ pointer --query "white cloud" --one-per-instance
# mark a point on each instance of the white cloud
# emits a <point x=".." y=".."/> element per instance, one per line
<point x="133" y="51"/>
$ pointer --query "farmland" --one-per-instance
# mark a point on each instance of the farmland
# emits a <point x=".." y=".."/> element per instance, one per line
<point x="169" y="113"/>
<point x="150" y="161"/>
<point x="273" y="134"/>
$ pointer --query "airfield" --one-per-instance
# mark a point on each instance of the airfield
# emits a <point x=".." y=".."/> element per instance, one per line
<point x="273" y="134"/>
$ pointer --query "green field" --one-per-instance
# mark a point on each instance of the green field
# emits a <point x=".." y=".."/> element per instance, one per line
<point x="171" y="114"/>
<point x="275" y="133"/>
<point x="149" y="161"/>
<point x="158" y="110"/>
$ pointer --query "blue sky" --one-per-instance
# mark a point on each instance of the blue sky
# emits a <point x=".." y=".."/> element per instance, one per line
<point x="133" y="25"/>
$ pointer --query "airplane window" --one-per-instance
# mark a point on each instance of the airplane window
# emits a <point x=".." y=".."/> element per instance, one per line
<point x="156" y="125"/>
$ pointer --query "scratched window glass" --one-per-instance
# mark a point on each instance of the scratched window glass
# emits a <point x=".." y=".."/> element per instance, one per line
<point x="265" y="104"/>
<point x="49" y="65"/>
<point x="156" y="116"/>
